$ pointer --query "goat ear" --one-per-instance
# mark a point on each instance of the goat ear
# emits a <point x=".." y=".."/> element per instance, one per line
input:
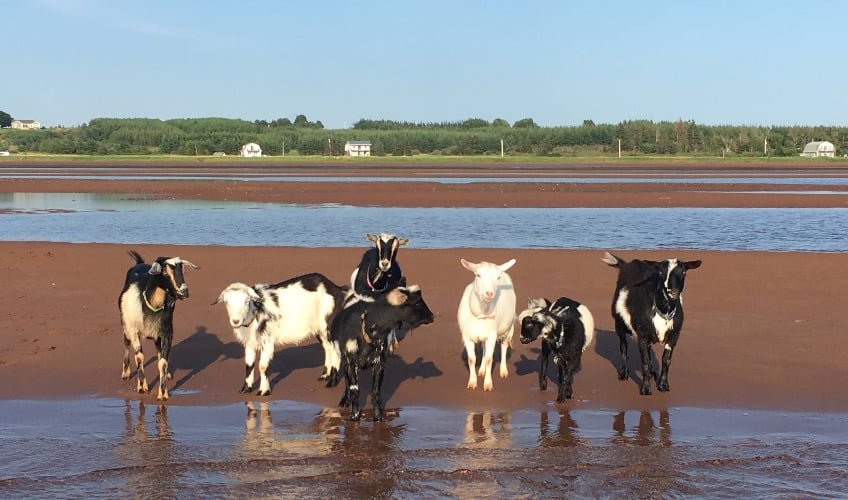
<point x="371" y="237"/>
<point x="396" y="297"/>
<point x="189" y="264"/>
<point x="220" y="297"/>
<point x="468" y="265"/>
<point x="402" y="241"/>
<point x="506" y="265"/>
<point x="692" y="264"/>
<point x="534" y="303"/>
<point x="155" y="268"/>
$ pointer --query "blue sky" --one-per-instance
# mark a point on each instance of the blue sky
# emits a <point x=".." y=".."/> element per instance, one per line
<point x="742" y="62"/>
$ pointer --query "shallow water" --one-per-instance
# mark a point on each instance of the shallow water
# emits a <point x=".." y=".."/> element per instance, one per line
<point x="96" y="218"/>
<point x="110" y="448"/>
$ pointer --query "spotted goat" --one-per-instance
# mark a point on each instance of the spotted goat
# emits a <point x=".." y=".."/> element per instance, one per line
<point x="566" y="328"/>
<point x="146" y="304"/>
<point x="648" y="304"/>
<point x="287" y="313"/>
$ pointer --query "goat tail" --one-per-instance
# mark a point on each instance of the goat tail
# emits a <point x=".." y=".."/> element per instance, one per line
<point x="135" y="255"/>
<point x="612" y="260"/>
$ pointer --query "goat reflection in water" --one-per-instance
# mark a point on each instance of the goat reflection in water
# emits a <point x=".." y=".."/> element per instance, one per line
<point x="647" y="433"/>
<point x="366" y="456"/>
<point x="488" y="430"/>
<point x="151" y="452"/>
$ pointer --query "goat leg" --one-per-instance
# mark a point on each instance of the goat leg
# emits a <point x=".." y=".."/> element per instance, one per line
<point x="622" y="345"/>
<point x="647" y="369"/>
<point x="125" y="368"/>
<point x="543" y="365"/>
<point x="662" y="381"/>
<point x="376" y="386"/>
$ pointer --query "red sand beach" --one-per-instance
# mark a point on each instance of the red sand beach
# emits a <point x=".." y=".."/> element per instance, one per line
<point x="763" y="330"/>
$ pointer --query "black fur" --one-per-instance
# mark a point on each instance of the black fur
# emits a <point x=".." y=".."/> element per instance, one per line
<point x="368" y="325"/>
<point x="562" y="331"/>
<point x="647" y="298"/>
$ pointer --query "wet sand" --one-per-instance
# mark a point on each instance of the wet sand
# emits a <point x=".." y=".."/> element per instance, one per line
<point x="763" y="330"/>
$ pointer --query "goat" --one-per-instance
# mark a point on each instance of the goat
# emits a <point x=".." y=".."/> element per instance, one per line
<point x="487" y="314"/>
<point x="648" y="304"/>
<point x="146" y="304"/>
<point x="265" y="316"/>
<point x="379" y="271"/>
<point x="566" y="328"/>
<point x="361" y="332"/>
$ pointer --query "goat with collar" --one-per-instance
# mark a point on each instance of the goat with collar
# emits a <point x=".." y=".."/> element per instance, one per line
<point x="566" y="328"/>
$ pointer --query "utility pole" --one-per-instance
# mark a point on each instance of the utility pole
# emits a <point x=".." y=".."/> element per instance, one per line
<point x="502" y="149"/>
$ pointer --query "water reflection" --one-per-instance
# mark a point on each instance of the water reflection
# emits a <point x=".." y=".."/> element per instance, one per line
<point x="150" y="451"/>
<point x="646" y="432"/>
<point x="561" y="433"/>
<point x="361" y="459"/>
<point x="488" y="430"/>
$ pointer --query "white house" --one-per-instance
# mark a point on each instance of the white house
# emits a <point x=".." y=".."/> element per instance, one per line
<point x="358" y="148"/>
<point x="26" y="124"/>
<point x="818" y="149"/>
<point x="251" y="150"/>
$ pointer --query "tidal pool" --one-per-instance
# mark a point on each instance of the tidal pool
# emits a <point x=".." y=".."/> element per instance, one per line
<point x="99" y="218"/>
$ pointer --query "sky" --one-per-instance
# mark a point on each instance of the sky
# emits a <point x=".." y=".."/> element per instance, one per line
<point x="558" y="62"/>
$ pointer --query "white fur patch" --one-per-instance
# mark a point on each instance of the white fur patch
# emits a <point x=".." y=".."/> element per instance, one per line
<point x="588" y="325"/>
<point x="351" y="346"/>
<point x="621" y="309"/>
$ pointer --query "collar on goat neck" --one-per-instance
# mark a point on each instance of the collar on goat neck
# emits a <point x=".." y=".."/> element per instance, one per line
<point x="483" y="314"/>
<point x="147" y="300"/>
<point x="376" y="278"/>
<point x="669" y="304"/>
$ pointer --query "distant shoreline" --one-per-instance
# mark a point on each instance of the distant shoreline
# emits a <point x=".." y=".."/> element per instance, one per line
<point x="418" y="160"/>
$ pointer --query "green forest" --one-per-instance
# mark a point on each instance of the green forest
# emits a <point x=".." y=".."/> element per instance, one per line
<point x="206" y="136"/>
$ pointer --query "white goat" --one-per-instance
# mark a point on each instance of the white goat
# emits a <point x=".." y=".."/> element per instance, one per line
<point x="286" y="313"/>
<point x="487" y="314"/>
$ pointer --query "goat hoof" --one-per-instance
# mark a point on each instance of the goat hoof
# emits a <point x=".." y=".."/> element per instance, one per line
<point x="622" y="375"/>
<point x="264" y="393"/>
<point x="645" y="391"/>
<point x="662" y="387"/>
<point x="355" y="417"/>
<point x="543" y="386"/>
<point x="246" y="389"/>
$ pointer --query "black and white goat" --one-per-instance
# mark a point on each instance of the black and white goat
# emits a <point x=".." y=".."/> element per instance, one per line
<point x="361" y="331"/>
<point x="287" y="313"/>
<point x="146" y="304"/>
<point x="648" y="304"/>
<point x="566" y="328"/>
<point x="378" y="271"/>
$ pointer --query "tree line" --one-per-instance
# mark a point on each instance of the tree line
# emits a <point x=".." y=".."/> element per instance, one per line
<point x="205" y="136"/>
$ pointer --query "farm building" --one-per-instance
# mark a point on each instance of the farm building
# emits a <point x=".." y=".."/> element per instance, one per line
<point x="251" y="150"/>
<point x="358" y="148"/>
<point x="818" y="149"/>
<point x="26" y="124"/>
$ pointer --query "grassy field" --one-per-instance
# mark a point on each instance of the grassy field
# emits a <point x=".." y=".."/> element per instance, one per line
<point x="418" y="159"/>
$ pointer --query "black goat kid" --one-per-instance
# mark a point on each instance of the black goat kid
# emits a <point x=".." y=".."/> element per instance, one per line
<point x="566" y="328"/>
<point x="648" y="303"/>
<point x="361" y="331"/>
